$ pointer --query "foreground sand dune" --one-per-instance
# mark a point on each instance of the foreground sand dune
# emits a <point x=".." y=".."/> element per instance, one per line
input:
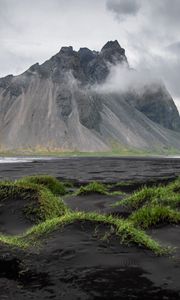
<point x="85" y="258"/>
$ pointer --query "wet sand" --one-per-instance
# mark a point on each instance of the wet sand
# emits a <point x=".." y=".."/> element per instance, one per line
<point x="105" y="169"/>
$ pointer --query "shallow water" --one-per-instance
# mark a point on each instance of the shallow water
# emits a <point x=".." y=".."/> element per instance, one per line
<point x="21" y="159"/>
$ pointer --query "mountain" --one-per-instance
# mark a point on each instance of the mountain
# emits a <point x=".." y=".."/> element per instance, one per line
<point x="55" y="106"/>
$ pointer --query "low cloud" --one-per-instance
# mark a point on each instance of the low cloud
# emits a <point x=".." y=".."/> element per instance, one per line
<point x="153" y="39"/>
<point x="121" y="79"/>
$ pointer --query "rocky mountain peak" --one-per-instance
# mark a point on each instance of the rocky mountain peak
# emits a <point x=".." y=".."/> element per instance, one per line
<point x="113" y="52"/>
<point x="111" y="45"/>
<point x="67" y="50"/>
<point x="86" y="65"/>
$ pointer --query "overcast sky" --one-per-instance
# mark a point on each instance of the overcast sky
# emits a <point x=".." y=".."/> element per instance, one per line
<point x="33" y="30"/>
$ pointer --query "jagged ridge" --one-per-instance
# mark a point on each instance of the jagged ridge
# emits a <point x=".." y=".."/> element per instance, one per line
<point x="53" y="105"/>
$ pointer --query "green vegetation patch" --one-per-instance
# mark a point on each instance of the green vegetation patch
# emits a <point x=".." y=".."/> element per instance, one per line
<point x="125" y="230"/>
<point x="148" y="216"/>
<point x="175" y="186"/>
<point x="92" y="187"/>
<point x="50" y="182"/>
<point x="14" y="241"/>
<point x="96" y="187"/>
<point x="150" y="206"/>
<point x="163" y="195"/>
<point x="38" y="202"/>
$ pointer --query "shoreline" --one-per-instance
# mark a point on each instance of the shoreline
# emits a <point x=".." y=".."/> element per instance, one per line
<point x="103" y="169"/>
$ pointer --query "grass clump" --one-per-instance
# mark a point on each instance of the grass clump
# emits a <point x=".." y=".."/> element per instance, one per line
<point x="92" y="187"/>
<point x="137" y="199"/>
<point x="162" y="195"/>
<point x="50" y="182"/>
<point x="38" y="202"/>
<point x="175" y="186"/>
<point x="125" y="230"/>
<point x="96" y="187"/>
<point x="14" y="241"/>
<point x="148" y="216"/>
<point x="153" y="205"/>
<point x="50" y="205"/>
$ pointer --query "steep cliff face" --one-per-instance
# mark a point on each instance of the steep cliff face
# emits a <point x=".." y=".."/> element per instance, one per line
<point x="157" y="104"/>
<point x="53" y="105"/>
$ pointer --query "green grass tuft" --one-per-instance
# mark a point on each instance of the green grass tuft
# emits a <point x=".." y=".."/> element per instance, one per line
<point x="162" y="195"/>
<point x="96" y="187"/>
<point x="50" y="182"/>
<point x="175" y="186"/>
<point x="38" y="202"/>
<point x="148" y="216"/>
<point x="50" y="205"/>
<point x="92" y="187"/>
<point x="14" y="241"/>
<point x="125" y="230"/>
<point x="153" y="205"/>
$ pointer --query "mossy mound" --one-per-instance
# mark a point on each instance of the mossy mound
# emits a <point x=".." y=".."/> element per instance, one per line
<point x="50" y="182"/>
<point x="36" y="199"/>
<point x="92" y="187"/>
<point x="123" y="229"/>
<point x="148" y="216"/>
<point x="162" y="195"/>
<point x="152" y="206"/>
<point x="96" y="188"/>
<point x="22" y="201"/>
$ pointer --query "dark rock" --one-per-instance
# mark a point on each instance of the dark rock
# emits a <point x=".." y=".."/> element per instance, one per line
<point x="157" y="104"/>
<point x="5" y="81"/>
<point x="67" y="50"/>
<point x="14" y="90"/>
<point x="64" y="104"/>
<point x="89" y="108"/>
<point x="33" y="68"/>
<point x="85" y="56"/>
<point x="113" y="53"/>
<point x="54" y="105"/>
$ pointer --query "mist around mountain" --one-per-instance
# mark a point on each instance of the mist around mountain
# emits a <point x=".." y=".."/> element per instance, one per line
<point x="87" y="101"/>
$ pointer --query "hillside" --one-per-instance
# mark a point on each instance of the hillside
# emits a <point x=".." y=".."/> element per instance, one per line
<point x="55" y="106"/>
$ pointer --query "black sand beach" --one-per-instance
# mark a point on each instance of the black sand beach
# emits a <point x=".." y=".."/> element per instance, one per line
<point x="103" y="169"/>
<point x="76" y="262"/>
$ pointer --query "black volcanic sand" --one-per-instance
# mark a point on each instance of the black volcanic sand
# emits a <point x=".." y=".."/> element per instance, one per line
<point x="104" y="169"/>
<point x="12" y="218"/>
<point x="98" y="203"/>
<point x="76" y="262"/>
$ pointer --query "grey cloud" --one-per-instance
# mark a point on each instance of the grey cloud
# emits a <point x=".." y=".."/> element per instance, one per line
<point x="165" y="68"/>
<point x="156" y="12"/>
<point x="168" y="11"/>
<point x="153" y="37"/>
<point x="33" y="30"/>
<point x="174" y="48"/>
<point x="123" y="7"/>
<point x="121" y="79"/>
